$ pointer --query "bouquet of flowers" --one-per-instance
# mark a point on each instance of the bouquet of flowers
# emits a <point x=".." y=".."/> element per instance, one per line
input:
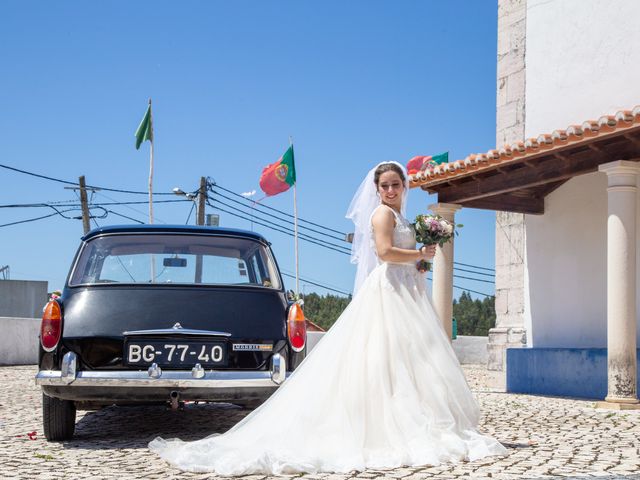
<point x="433" y="230"/>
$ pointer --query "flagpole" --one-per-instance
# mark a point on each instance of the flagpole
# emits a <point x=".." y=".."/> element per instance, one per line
<point x="295" y="231"/>
<point x="151" y="168"/>
<point x="153" y="259"/>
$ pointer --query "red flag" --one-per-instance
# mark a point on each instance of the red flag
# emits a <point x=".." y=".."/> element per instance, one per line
<point x="419" y="163"/>
<point x="279" y="176"/>
<point x="415" y="164"/>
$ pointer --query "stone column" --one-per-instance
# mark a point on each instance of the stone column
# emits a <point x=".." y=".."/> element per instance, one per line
<point x="621" y="284"/>
<point x="443" y="270"/>
<point x="509" y="331"/>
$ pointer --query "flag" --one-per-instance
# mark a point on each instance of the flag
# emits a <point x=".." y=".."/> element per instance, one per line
<point x="421" y="163"/>
<point x="279" y="176"/>
<point x="145" y="129"/>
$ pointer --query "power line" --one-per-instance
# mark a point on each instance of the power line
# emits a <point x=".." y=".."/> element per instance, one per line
<point x="474" y="266"/>
<point x="215" y="184"/>
<point x="326" y="245"/>
<point x="190" y="212"/>
<point x="28" y="220"/>
<point x="473" y="291"/>
<point x="316" y="284"/>
<point x="474" y="279"/>
<point x="324" y="284"/>
<point x="277" y="229"/>
<point x="67" y="182"/>
<point x="476" y="273"/>
<point x="211" y="185"/>
<point x="301" y="235"/>
<point x="276" y="217"/>
<point x="129" y="207"/>
<point x="124" y="216"/>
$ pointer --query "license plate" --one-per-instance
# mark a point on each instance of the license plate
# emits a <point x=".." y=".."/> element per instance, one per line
<point x="175" y="353"/>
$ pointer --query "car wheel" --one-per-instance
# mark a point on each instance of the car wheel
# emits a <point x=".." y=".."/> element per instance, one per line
<point x="58" y="418"/>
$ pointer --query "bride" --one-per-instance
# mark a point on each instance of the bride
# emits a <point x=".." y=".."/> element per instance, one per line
<point x="383" y="387"/>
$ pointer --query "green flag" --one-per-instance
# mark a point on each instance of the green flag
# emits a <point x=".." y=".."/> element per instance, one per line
<point x="145" y="129"/>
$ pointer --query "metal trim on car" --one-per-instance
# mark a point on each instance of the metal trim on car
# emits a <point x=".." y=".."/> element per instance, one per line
<point x="175" y="331"/>
<point x="171" y="378"/>
<point x="165" y="378"/>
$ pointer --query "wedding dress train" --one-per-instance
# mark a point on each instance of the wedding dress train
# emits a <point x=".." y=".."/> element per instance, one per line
<point x="381" y="389"/>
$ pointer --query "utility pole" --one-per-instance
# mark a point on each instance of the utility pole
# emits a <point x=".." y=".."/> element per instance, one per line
<point x="202" y="197"/>
<point x="86" y="225"/>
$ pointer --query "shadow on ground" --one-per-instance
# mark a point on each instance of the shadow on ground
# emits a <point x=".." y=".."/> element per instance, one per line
<point x="135" y="426"/>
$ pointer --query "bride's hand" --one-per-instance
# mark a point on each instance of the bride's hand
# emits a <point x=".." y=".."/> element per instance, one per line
<point x="428" y="251"/>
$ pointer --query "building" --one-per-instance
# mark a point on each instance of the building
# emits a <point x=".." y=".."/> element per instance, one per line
<point x="563" y="183"/>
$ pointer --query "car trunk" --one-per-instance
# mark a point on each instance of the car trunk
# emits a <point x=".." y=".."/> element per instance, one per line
<point x="96" y="318"/>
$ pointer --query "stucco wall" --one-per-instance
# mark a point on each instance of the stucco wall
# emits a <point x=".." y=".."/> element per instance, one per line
<point x="566" y="266"/>
<point x="582" y="61"/>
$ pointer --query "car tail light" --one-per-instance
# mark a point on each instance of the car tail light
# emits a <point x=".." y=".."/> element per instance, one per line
<point x="297" y="328"/>
<point x="51" y="327"/>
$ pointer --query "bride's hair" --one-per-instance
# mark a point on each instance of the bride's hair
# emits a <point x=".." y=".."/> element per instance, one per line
<point x="388" y="167"/>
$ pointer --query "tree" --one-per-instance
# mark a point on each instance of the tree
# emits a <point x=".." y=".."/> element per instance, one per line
<point x="474" y="317"/>
<point x="324" y="310"/>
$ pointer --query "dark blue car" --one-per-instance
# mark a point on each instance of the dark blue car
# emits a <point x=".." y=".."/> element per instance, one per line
<point x="166" y="314"/>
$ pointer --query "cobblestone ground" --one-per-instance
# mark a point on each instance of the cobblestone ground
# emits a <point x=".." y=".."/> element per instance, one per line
<point x="546" y="438"/>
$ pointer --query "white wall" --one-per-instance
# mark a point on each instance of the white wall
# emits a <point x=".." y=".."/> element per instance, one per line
<point x="566" y="266"/>
<point x="19" y="340"/>
<point x="582" y="61"/>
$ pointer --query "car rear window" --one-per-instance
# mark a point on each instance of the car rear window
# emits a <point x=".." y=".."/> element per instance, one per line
<point x="175" y="259"/>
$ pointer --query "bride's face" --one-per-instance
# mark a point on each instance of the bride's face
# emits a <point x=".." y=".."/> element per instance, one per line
<point x="390" y="188"/>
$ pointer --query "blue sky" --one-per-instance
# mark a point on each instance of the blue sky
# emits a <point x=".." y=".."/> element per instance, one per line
<point x="354" y="83"/>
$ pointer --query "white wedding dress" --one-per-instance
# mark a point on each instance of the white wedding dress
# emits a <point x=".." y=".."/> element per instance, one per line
<point x="383" y="388"/>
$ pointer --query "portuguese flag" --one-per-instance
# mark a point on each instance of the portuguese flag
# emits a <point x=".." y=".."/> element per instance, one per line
<point x="420" y="163"/>
<point x="279" y="176"/>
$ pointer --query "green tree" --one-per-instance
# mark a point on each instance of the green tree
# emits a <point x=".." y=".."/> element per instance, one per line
<point x="474" y="317"/>
<point x="324" y="310"/>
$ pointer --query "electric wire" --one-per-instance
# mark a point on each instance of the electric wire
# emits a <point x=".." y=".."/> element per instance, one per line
<point x="316" y="284"/>
<point x="342" y="239"/>
<point x="211" y="183"/>
<point x="476" y="273"/>
<point x="67" y="182"/>
<point x="190" y="212"/>
<point x="324" y="284"/>
<point x="278" y="230"/>
<point x="129" y="207"/>
<point x="474" y="266"/>
<point x="301" y="235"/>
<point x="215" y="184"/>
<point x="125" y="216"/>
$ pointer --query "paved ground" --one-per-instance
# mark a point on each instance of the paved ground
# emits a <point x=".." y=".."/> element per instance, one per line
<point x="546" y="437"/>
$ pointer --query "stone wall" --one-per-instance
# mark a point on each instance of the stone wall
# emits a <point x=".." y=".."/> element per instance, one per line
<point x="510" y="231"/>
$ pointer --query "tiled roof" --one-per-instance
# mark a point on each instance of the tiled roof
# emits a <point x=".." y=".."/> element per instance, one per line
<point x="623" y="119"/>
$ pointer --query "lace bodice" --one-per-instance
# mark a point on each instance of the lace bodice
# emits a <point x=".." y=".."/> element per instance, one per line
<point x="404" y="235"/>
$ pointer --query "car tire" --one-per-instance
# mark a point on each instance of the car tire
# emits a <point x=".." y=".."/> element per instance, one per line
<point x="58" y="418"/>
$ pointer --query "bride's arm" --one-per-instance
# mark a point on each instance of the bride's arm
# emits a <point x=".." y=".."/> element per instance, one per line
<point x="383" y="222"/>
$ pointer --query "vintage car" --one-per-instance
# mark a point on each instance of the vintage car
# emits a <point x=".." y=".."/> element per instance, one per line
<point x="170" y="314"/>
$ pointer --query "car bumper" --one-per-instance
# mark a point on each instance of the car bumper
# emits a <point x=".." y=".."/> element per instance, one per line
<point x="156" y="384"/>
